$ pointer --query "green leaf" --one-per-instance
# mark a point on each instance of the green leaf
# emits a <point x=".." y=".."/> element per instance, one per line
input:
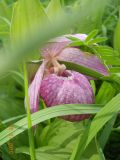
<point x="51" y="135"/>
<point x="5" y="10"/>
<point x="91" y="35"/>
<point x="92" y="82"/>
<point x="93" y="14"/>
<point x="81" y="140"/>
<point x="12" y="119"/>
<point x="33" y="66"/>
<point x="100" y="151"/>
<point x="5" y="15"/>
<point x="18" y="77"/>
<point x="105" y="133"/>
<point x="54" y="9"/>
<point x="112" y="60"/>
<point x="73" y="38"/>
<point x="115" y="78"/>
<point x="39" y="35"/>
<point x="76" y="43"/>
<point x="47" y="153"/>
<point x="82" y="69"/>
<point x="26" y="15"/>
<point x="97" y="40"/>
<point x="15" y="107"/>
<point x="117" y="37"/>
<point x="93" y="150"/>
<point x="6" y="152"/>
<point x="115" y="69"/>
<point x="51" y="142"/>
<point x="106" y="113"/>
<point x="117" y="129"/>
<point x="45" y="114"/>
<point x="105" y="93"/>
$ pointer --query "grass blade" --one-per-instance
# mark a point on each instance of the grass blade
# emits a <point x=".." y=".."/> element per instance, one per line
<point x="30" y="130"/>
<point x="46" y="114"/>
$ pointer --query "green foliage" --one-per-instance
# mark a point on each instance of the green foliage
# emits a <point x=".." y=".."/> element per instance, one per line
<point x="93" y="18"/>
<point x="105" y="93"/>
<point x="116" y="37"/>
<point x="26" y="15"/>
<point x="81" y="69"/>
<point x="39" y="116"/>
<point x="27" y="25"/>
<point x="54" y="9"/>
<point x="98" y="122"/>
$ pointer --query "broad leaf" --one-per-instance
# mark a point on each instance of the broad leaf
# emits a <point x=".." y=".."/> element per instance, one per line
<point x="45" y="114"/>
<point x="54" y="9"/>
<point x="105" y="93"/>
<point x="93" y="18"/>
<point x="26" y="15"/>
<point x="105" y="114"/>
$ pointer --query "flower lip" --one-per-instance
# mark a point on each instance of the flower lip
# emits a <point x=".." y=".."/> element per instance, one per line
<point x="66" y="74"/>
<point x="58" y="50"/>
<point x="58" y="90"/>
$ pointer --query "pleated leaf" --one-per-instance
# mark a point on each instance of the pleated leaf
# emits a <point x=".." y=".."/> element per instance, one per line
<point x="54" y="9"/>
<point x="27" y="14"/>
<point x="105" y="115"/>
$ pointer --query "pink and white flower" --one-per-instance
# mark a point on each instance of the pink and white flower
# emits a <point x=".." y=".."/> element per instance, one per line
<point x="57" y="85"/>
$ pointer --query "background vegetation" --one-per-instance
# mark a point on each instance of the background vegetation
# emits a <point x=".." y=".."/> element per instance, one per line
<point x="24" y="26"/>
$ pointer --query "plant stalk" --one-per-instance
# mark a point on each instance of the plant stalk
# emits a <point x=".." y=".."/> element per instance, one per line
<point x="30" y="129"/>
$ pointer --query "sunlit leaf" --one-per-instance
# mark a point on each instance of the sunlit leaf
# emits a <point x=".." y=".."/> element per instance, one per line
<point x="91" y="35"/>
<point x="93" y="18"/>
<point x="105" y="93"/>
<point x="117" y="37"/>
<point x="105" y="114"/>
<point x="26" y="15"/>
<point x="45" y="114"/>
<point x="54" y="9"/>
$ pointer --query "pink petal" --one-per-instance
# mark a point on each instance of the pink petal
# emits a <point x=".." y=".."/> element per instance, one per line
<point x="85" y="59"/>
<point x="66" y="90"/>
<point x="55" y="46"/>
<point x="74" y="89"/>
<point x="34" y="88"/>
<point x="61" y="39"/>
<point x="52" y="49"/>
<point x="64" y="38"/>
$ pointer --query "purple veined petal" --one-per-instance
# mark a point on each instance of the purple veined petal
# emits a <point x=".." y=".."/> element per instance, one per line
<point x="34" y="88"/>
<point x="53" y="49"/>
<point x="85" y="59"/>
<point x="61" y="39"/>
<point x="71" y="89"/>
<point x="55" y="46"/>
<point x="64" y="38"/>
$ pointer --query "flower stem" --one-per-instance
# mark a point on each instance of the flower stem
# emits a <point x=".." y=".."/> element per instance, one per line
<point x="30" y="129"/>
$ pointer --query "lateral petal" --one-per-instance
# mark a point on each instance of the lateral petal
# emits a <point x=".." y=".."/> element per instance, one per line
<point x="34" y="88"/>
<point x="85" y="59"/>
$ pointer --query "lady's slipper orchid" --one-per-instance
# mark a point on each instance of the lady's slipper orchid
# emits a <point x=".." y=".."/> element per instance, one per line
<point x="68" y="88"/>
<point x="57" y="85"/>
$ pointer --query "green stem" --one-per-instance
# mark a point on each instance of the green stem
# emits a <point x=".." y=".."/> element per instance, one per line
<point x="30" y="129"/>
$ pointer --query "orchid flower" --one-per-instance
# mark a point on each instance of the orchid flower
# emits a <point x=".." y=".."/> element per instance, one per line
<point x="57" y="85"/>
